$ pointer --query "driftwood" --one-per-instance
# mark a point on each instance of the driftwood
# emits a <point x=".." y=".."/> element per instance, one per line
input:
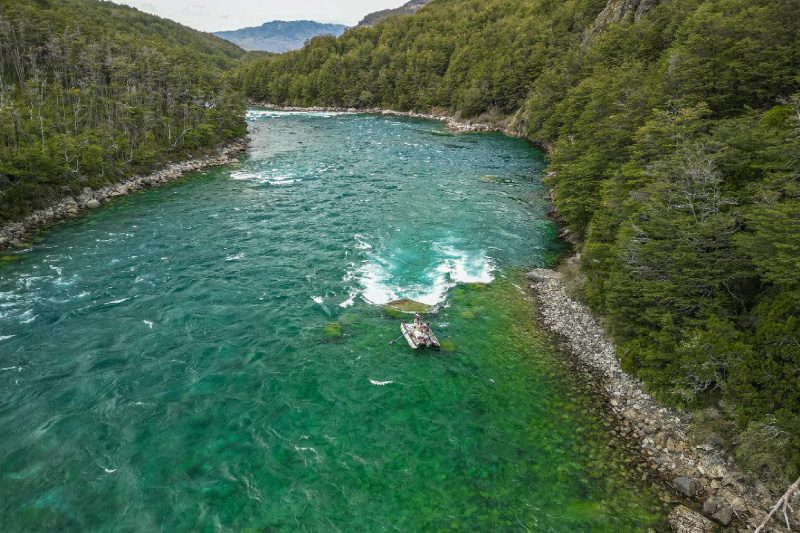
<point x="782" y="502"/>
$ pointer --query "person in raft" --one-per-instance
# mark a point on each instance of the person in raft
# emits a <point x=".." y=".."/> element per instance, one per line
<point x="419" y="328"/>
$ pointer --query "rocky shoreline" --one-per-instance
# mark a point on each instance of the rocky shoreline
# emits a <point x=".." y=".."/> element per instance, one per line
<point x="451" y="122"/>
<point x="14" y="234"/>
<point x="660" y="436"/>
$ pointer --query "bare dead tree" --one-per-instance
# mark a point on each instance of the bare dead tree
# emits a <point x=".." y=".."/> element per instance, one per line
<point x="783" y="506"/>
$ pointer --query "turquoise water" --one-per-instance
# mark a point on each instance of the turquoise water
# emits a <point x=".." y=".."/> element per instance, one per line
<point x="215" y="354"/>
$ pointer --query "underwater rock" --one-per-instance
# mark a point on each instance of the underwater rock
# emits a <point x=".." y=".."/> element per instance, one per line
<point x="497" y="179"/>
<point x="333" y="329"/>
<point x="408" y="306"/>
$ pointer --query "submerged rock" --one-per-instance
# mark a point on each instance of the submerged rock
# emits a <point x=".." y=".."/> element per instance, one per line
<point x="496" y="179"/>
<point x="333" y="329"/>
<point x="408" y="306"/>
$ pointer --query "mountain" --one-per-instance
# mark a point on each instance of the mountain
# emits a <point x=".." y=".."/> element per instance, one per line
<point x="280" y="36"/>
<point x="92" y="92"/>
<point x="673" y="136"/>
<point x="406" y="9"/>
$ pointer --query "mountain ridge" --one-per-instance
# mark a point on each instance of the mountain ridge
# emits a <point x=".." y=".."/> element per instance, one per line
<point x="280" y="35"/>
<point x="409" y="8"/>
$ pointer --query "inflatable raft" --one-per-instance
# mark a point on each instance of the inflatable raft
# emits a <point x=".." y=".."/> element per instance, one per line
<point x="419" y="335"/>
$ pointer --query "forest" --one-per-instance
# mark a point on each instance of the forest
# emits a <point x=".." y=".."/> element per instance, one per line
<point x="92" y="92"/>
<point x="674" y="138"/>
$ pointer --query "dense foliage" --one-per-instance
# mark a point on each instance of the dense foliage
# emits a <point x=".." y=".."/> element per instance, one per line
<point x="91" y="92"/>
<point x="675" y="143"/>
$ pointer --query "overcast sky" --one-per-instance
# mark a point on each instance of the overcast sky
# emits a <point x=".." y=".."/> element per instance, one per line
<point x="215" y="15"/>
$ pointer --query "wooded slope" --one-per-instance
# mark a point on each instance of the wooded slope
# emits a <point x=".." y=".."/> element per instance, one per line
<point x="91" y="91"/>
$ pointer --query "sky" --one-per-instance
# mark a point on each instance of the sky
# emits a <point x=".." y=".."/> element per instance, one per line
<point x="217" y="15"/>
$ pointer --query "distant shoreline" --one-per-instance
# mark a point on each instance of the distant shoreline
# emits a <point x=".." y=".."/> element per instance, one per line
<point x="15" y="234"/>
<point x="452" y="123"/>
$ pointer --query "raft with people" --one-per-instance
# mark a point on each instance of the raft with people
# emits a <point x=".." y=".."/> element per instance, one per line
<point x="419" y="334"/>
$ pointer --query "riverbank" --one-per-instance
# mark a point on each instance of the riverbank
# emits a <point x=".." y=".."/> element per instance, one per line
<point x="506" y="125"/>
<point x="14" y="234"/>
<point x="660" y="436"/>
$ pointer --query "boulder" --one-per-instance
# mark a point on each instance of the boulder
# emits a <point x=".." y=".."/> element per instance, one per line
<point x="408" y="306"/>
<point x="711" y="505"/>
<point x="93" y="204"/>
<point x="685" y="486"/>
<point x="724" y="515"/>
<point x="684" y="520"/>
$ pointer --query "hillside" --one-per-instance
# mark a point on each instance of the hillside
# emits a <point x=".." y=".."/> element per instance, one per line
<point x="408" y="8"/>
<point x="674" y="135"/>
<point x="92" y="91"/>
<point x="280" y="36"/>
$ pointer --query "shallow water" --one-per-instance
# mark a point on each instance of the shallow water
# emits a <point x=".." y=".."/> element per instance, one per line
<point x="214" y="354"/>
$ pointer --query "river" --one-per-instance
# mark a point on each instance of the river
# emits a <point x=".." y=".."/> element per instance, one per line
<point x="215" y="354"/>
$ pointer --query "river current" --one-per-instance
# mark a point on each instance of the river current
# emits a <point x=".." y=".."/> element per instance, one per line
<point x="216" y="354"/>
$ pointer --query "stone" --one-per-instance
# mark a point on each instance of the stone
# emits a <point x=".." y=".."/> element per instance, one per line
<point x="738" y="504"/>
<point x="685" y="486"/>
<point x="717" y="471"/>
<point x="724" y="515"/>
<point x="684" y="520"/>
<point x="710" y="506"/>
<point x="630" y="414"/>
<point x="92" y="204"/>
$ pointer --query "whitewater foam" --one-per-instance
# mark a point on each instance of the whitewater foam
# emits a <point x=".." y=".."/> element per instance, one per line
<point x="378" y="277"/>
<point x="466" y="267"/>
<point x="27" y="317"/>
<point x="276" y="180"/>
<point x="361" y="243"/>
<point x="254" y="114"/>
<point x="282" y="180"/>
<point x="351" y="297"/>
<point x="318" y="299"/>
<point x="380" y="383"/>
<point x="243" y="175"/>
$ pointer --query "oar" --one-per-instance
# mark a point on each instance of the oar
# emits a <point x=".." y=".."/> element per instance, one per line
<point x="397" y="339"/>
